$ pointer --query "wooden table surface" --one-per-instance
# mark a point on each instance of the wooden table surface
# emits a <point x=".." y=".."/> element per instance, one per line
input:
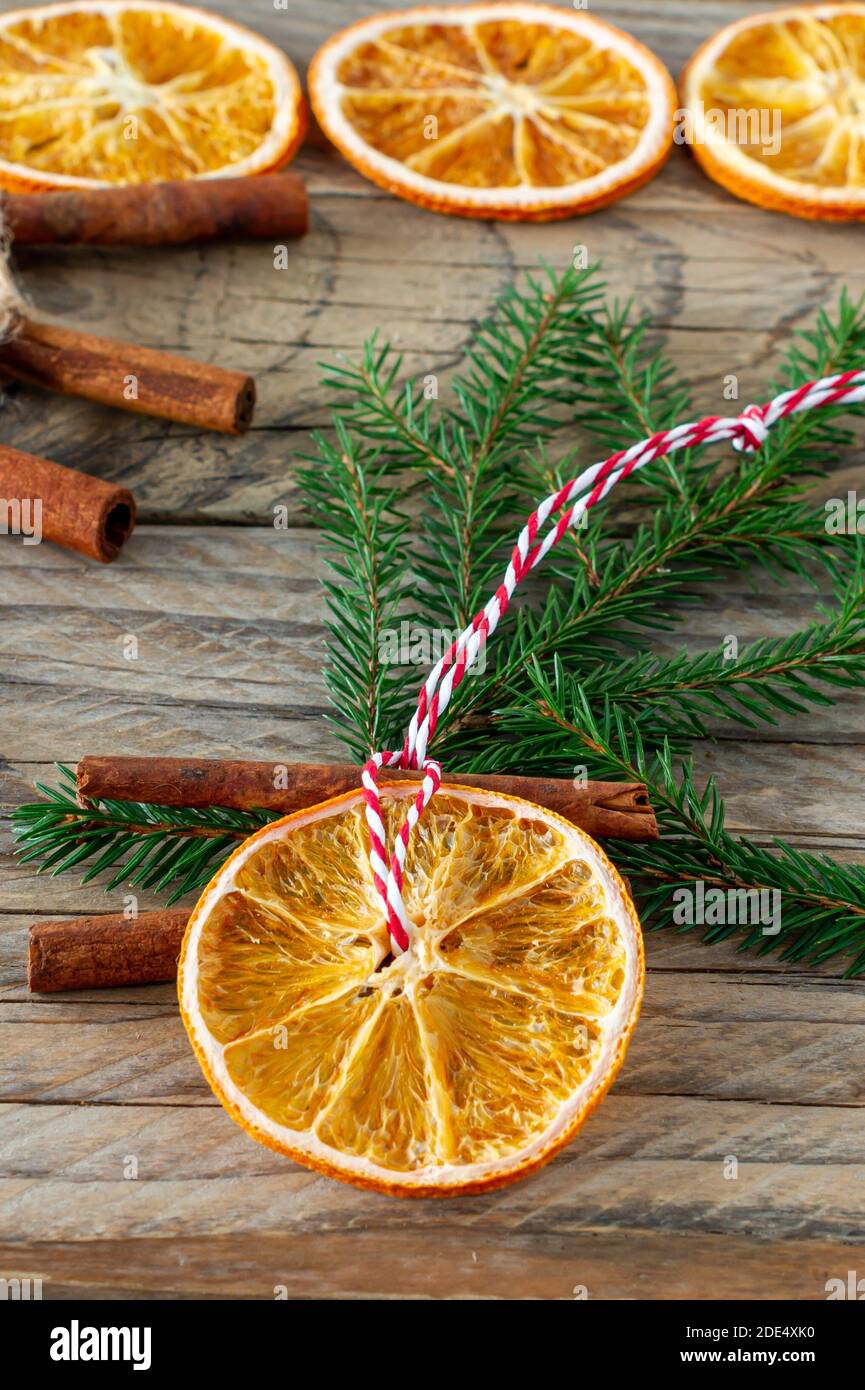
<point x="733" y="1058"/>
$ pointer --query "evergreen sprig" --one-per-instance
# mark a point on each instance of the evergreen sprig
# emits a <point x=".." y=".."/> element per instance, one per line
<point x="520" y="381"/>
<point x="631" y="390"/>
<point x="821" y="903"/>
<point x="675" y="698"/>
<point x="714" y="515"/>
<point x="353" y="501"/>
<point x="157" y="848"/>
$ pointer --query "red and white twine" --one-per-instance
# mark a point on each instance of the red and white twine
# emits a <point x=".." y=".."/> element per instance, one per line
<point x="746" y="431"/>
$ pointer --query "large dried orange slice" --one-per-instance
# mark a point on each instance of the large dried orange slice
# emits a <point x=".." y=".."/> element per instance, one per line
<point x="520" y="111"/>
<point x="99" y="92"/>
<point x="463" y="1063"/>
<point x="776" y="109"/>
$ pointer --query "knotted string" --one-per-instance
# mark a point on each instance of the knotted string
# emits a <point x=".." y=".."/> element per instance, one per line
<point x="747" y="432"/>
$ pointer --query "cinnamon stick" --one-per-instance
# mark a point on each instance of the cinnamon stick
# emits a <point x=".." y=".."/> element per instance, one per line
<point x="618" y="809"/>
<point x="268" y="206"/>
<point x="60" y="504"/>
<point x="139" y="379"/>
<point x="100" y="952"/>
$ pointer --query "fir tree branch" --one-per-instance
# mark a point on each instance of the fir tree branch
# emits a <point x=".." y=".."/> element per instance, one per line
<point x="396" y="420"/>
<point x="350" y="496"/>
<point x="521" y="368"/>
<point x="540" y="478"/>
<point x="752" y="514"/>
<point x="822" y="902"/>
<point x="149" y="847"/>
<point x="674" y="698"/>
<point x="638" y="585"/>
<point x="521" y="361"/>
<point x="635" y="387"/>
<point x="547" y="357"/>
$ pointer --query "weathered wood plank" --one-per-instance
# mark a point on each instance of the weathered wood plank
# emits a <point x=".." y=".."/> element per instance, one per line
<point x="228" y="622"/>
<point x="460" y="1263"/>
<point x="223" y="583"/>
<point x="667" y="951"/>
<point x="84" y="1144"/>
<point x="648" y="1172"/>
<point x="675" y="953"/>
<point x="643" y="1164"/>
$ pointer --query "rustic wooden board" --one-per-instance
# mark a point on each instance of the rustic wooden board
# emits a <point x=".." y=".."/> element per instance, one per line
<point x="701" y="275"/>
<point x="735" y="1058"/>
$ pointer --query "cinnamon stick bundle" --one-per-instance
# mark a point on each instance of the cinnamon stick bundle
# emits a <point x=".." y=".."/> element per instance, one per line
<point x="71" y="509"/>
<point x="140" y="379"/>
<point x="102" y="952"/>
<point x="618" y="809"/>
<point x="268" y="206"/>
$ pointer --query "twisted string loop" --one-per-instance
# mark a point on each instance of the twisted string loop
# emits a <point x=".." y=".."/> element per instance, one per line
<point x="753" y="429"/>
<point x="747" y="431"/>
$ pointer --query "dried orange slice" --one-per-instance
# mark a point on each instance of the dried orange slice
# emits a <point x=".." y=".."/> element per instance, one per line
<point x="462" y="1064"/>
<point x="776" y="110"/>
<point x="519" y="111"/>
<point x="97" y="92"/>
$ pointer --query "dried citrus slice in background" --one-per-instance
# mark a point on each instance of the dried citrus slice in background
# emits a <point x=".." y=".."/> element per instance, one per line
<point x="776" y="106"/>
<point x="517" y="111"/>
<point x="134" y="91"/>
<point x="460" y="1065"/>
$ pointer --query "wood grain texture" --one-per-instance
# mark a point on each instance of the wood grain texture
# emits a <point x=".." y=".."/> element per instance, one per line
<point x="120" y="1176"/>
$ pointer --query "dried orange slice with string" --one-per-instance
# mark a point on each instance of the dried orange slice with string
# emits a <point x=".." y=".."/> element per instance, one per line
<point x="776" y="110"/>
<point x="97" y="92"/>
<point x="521" y="111"/>
<point x="461" y="1064"/>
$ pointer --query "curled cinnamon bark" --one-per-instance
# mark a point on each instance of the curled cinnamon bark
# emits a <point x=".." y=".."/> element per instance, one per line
<point x="619" y="809"/>
<point x="103" y="952"/>
<point x="268" y="206"/>
<point x="99" y="952"/>
<point x="43" y="500"/>
<point x="141" y="379"/>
